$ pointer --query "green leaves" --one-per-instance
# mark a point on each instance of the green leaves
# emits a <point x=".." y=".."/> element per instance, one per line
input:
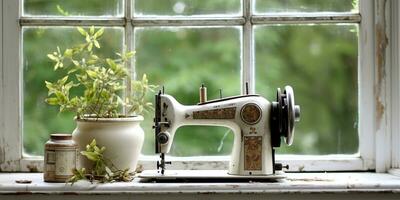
<point x="103" y="169"/>
<point x="91" y="30"/>
<point x="63" y="80"/>
<point x="126" y="56"/>
<point x="52" y="101"/>
<point x="91" y="155"/>
<point x="92" y="74"/>
<point x="58" y="94"/>
<point x="68" y="53"/>
<point x="62" y="11"/>
<point x="91" y="37"/>
<point x="117" y="69"/>
<point x="99" y="79"/>
<point x="78" y="174"/>
<point x="137" y="103"/>
<point x="96" y="44"/>
<point x="99" y="33"/>
<point x="82" y="31"/>
<point x="58" y="58"/>
<point x="53" y="56"/>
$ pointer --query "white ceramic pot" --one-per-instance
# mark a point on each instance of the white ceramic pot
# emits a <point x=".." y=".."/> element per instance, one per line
<point x="122" y="137"/>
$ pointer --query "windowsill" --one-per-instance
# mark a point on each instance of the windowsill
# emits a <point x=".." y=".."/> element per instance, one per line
<point x="294" y="183"/>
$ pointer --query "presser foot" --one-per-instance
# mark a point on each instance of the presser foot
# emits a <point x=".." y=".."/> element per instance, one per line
<point x="161" y="164"/>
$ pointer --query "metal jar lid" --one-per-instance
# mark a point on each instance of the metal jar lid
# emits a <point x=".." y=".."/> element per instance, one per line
<point x="60" y="136"/>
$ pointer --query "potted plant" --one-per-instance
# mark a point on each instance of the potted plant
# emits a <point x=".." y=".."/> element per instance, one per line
<point x="93" y="88"/>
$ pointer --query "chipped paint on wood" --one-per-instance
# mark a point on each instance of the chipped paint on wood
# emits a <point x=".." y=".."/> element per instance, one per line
<point x="10" y="166"/>
<point x="380" y="56"/>
<point x="382" y="87"/>
<point x="31" y="165"/>
<point x="380" y="110"/>
<point x="32" y="168"/>
<point x="299" y="183"/>
<point x="2" y="152"/>
<point x="311" y="179"/>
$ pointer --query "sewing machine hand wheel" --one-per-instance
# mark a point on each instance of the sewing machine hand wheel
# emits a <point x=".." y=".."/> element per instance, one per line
<point x="283" y="116"/>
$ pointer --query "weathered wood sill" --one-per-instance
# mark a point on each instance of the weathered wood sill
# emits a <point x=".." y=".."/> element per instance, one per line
<point x="294" y="183"/>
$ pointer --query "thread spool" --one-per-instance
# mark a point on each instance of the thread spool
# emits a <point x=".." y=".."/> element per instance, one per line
<point x="203" y="93"/>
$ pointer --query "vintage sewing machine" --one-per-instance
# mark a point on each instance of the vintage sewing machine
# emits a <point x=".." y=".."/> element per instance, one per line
<point x="258" y="126"/>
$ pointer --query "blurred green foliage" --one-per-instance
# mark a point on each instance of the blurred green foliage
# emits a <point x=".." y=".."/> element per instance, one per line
<point x="319" y="61"/>
<point x="74" y="7"/>
<point x="186" y="7"/>
<point x="263" y="6"/>
<point x="182" y="59"/>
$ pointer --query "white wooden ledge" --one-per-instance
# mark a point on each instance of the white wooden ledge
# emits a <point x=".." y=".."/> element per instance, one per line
<point x="294" y="183"/>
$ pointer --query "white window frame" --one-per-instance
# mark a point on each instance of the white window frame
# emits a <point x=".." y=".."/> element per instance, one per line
<point x="378" y="82"/>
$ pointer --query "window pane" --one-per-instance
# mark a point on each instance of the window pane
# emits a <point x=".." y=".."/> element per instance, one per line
<point x="74" y="7"/>
<point x="201" y="140"/>
<point x="182" y="59"/>
<point x="272" y="6"/>
<point x="187" y="7"/>
<point x="320" y="62"/>
<point x="41" y="119"/>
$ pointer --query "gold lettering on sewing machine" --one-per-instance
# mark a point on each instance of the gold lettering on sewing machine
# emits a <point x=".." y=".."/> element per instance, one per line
<point x="222" y="113"/>
<point x="252" y="152"/>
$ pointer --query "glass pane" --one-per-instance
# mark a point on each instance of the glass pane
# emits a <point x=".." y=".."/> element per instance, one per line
<point x="74" y="7"/>
<point x="187" y="7"/>
<point x="201" y="140"/>
<point x="182" y="59"/>
<point x="272" y="6"/>
<point x="41" y="119"/>
<point x="320" y="63"/>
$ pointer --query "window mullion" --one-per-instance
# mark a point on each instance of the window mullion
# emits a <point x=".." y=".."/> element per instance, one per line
<point x="72" y="21"/>
<point x="11" y="84"/>
<point x="365" y="92"/>
<point x="306" y="18"/>
<point x="127" y="42"/>
<point x="247" y="50"/>
<point x="187" y="21"/>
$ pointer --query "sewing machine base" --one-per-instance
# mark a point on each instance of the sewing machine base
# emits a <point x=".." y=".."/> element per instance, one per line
<point x="208" y="175"/>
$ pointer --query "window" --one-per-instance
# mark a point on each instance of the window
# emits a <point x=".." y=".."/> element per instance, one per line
<point x="319" y="47"/>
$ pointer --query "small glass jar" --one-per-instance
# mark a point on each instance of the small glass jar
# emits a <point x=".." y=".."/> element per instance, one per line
<point x="60" y="158"/>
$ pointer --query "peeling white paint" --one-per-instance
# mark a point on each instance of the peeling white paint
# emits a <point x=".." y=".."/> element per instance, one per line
<point x="294" y="183"/>
<point x="382" y="87"/>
